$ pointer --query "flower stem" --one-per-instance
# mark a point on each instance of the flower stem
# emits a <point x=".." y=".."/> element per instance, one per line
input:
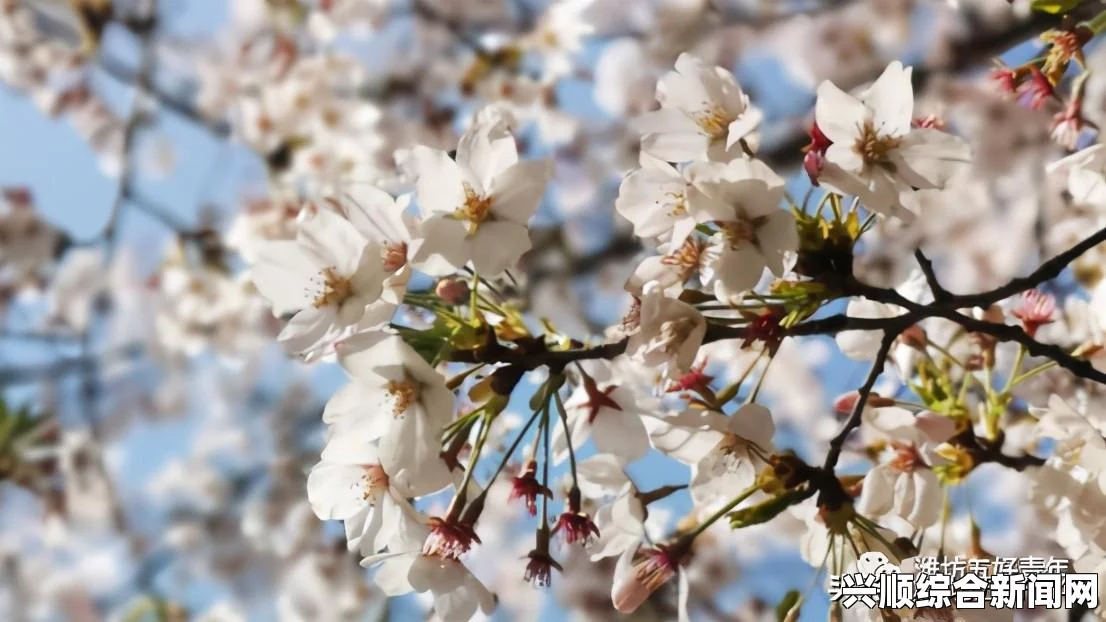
<point x="1096" y="24"/>
<point x="460" y="500"/>
<point x="720" y="513"/>
<point x="568" y="436"/>
<point x="1015" y="369"/>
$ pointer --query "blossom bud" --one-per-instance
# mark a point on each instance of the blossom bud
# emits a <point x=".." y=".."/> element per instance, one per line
<point x="452" y="291"/>
<point x="915" y="337"/>
<point x="655" y="568"/>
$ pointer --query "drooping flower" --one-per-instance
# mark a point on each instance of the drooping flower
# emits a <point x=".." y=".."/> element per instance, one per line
<point x="396" y="398"/>
<point x="408" y="567"/>
<point x="704" y="115"/>
<point x="668" y="335"/>
<point x="903" y="484"/>
<point x="526" y="486"/>
<point x="350" y="485"/>
<point x="612" y="415"/>
<point x="635" y="581"/>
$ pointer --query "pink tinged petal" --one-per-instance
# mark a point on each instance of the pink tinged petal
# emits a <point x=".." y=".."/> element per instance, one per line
<point x="440" y="185"/>
<point x="282" y="272"/>
<point x="838" y="114"/>
<point x="891" y="100"/>
<point x="517" y="192"/>
<point x="623" y="587"/>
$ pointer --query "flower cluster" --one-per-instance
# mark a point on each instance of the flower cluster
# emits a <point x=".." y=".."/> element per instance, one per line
<point x="469" y="326"/>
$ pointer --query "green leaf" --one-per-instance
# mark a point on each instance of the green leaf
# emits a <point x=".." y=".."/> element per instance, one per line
<point x="790" y="601"/>
<point x="1054" y="6"/>
<point x="767" y="510"/>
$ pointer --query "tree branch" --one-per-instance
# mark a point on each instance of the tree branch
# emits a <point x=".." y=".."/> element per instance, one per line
<point x="1047" y="271"/>
<point x="853" y="422"/>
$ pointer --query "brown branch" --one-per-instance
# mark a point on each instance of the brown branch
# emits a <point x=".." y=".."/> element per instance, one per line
<point x="853" y="422"/>
<point x="1002" y="332"/>
<point x="939" y="292"/>
<point x="1046" y="272"/>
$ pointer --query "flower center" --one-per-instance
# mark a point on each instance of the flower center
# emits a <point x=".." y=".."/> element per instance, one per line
<point x="874" y="148"/>
<point x="742" y="231"/>
<point x="733" y="446"/>
<point x="376" y="481"/>
<point x="449" y="539"/>
<point x="475" y="210"/>
<point x="395" y="256"/>
<point x="404" y="393"/>
<point x="677" y="204"/>
<point x="333" y="288"/>
<point x="686" y="258"/>
<point x="713" y="120"/>
<point x="674" y="332"/>
<point x="907" y="459"/>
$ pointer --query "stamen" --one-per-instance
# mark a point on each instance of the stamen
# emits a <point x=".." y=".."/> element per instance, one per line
<point x="334" y="288"/>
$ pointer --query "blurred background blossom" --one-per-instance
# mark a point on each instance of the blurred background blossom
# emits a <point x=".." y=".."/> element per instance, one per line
<point x="156" y="440"/>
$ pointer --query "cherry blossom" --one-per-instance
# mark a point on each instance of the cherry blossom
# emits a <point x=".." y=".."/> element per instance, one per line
<point x="328" y="278"/>
<point x="478" y="205"/>
<point x="876" y="153"/>
<point x="704" y="115"/>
